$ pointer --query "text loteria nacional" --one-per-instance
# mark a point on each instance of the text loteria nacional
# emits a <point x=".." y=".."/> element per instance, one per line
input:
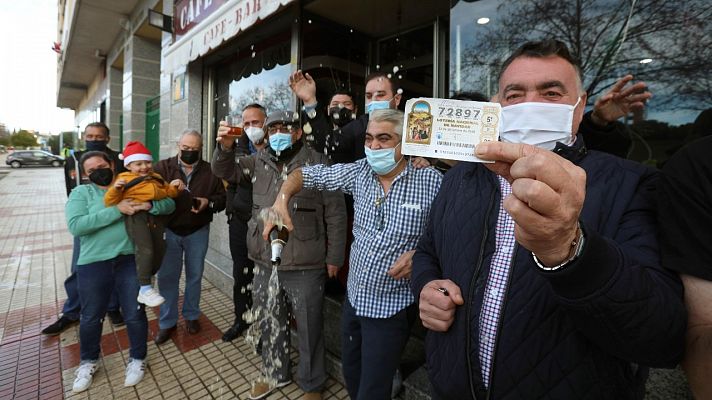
<point x="205" y="24"/>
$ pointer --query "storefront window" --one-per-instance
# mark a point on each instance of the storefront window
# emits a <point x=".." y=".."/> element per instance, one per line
<point x="335" y="56"/>
<point x="665" y="43"/>
<point x="408" y="57"/>
<point x="258" y="73"/>
<point x="268" y="88"/>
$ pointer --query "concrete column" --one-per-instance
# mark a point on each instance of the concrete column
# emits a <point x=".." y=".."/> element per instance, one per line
<point x="177" y="116"/>
<point x="142" y="62"/>
<point x="114" y="103"/>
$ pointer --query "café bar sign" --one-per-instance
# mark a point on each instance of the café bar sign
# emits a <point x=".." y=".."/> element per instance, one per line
<point x="189" y="13"/>
<point x="207" y="23"/>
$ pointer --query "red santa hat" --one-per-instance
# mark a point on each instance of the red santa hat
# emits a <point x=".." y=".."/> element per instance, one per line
<point x="135" y="151"/>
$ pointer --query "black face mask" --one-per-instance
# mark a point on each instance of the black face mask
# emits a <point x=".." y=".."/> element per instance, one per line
<point x="341" y="116"/>
<point x="190" y="156"/>
<point x="102" y="176"/>
<point x="96" y="145"/>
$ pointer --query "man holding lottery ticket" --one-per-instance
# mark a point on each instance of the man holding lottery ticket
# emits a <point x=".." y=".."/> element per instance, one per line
<point x="538" y="275"/>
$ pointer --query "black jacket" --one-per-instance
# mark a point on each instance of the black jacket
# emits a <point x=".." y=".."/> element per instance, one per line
<point x="344" y="145"/>
<point x="202" y="184"/>
<point x="575" y="333"/>
<point x="239" y="194"/>
<point x="614" y="138"/>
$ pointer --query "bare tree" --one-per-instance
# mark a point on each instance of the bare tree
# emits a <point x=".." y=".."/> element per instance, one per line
<point x="275" y="97"/>
<point x="610" y="38"/>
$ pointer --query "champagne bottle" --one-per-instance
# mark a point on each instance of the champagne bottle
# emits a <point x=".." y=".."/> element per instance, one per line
<point x="278" y="238"/>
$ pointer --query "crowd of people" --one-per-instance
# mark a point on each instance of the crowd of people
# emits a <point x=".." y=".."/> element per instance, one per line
<point x="560" y="269"/>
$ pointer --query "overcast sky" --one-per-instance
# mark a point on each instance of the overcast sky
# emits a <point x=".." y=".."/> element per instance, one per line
<point x="28" y="67"/>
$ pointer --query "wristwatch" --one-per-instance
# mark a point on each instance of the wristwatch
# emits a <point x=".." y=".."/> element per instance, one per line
<point x="576" y="250"/>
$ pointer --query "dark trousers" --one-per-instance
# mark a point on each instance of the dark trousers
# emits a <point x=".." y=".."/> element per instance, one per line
<point x="241" y="267"/>
<point x="147" y="234"/>
<point x="371" y="349"/>
<point x="304" y="292"/>
<point x="96" y="281"/>
<point x="72" y="305"/>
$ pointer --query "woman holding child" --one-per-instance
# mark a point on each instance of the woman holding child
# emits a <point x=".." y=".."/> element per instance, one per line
<point x="107" y="261"/>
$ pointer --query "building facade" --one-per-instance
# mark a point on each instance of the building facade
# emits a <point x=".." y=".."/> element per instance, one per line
<point x="216" y="56"/>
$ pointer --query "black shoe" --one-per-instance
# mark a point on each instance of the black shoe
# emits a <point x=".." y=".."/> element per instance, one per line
<point x="163" y="335"/>
<point x="234" y="332"/>
<point x="59" y="326"/>
<point x="116" y="318"/>
<point x="192" y="325"/>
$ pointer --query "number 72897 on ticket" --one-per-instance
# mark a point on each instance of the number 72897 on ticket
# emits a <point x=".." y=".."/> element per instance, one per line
<point x="449" y="129"/>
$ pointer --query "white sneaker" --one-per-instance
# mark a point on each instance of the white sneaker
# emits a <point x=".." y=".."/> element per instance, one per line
<point x="151" y="298"/>
<point x="134" y="372"/>
<point x="84" y="375"/>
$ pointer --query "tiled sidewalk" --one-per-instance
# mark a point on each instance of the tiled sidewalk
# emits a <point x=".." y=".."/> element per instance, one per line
<point x="35" y="254"/>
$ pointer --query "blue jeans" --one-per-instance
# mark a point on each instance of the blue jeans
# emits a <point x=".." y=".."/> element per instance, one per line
<point x="194" y="247"/>
<point x="96" y="281"/>
<point x="72" y="305"/>
<point x="371" y="350"/>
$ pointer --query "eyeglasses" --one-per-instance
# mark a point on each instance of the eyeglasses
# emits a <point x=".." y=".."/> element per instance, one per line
<point x="380" y="224"/>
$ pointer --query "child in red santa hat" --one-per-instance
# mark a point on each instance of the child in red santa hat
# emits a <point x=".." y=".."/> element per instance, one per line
<point x="146" y="230"/>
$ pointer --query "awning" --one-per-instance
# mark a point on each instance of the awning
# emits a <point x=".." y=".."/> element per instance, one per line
<point x="226" y="22"/>
<point x="92" y="30"/>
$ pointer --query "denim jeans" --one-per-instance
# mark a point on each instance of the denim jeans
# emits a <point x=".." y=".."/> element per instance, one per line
<point x="190" y="249"/>
<point x="371" y="349"/>
<point x="72" y="305"/>
<point x="95" y="282"/>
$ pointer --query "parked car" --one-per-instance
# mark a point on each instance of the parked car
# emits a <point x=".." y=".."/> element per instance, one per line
<point x="21" y="158"/>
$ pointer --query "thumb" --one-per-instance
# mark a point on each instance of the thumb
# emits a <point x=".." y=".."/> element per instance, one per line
<point x="288" y="224"/>
<point x="265" y="232"/>
<point x="454" y="290"/>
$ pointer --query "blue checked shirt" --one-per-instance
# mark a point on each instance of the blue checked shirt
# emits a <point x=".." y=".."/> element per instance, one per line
<point x="385" y="226"/>
<point x="496" y="283"/>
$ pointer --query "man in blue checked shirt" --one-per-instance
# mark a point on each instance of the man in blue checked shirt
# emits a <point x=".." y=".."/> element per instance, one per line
<point x="391" y="205"/>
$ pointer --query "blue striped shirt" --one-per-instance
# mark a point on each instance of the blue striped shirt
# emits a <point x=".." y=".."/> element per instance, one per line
<point x="385" y="226"/>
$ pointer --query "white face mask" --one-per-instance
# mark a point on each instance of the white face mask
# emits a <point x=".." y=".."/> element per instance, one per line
<point x="255" y="134"/>
<point x="538" y="124"/>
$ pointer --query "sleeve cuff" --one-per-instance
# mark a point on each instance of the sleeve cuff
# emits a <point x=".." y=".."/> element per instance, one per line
<point x="595" y="267"/>
<point x="608" y="128"/>
<point x="417" y="285"/>
<point x="310" y="110"/>
<point x="222" y="150"/>
<point x="308" y="177"/>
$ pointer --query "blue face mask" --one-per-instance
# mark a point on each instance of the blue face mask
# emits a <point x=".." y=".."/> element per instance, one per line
<point x="280" y="141"/>
<point x="382" y="161"/>
<point x="378" y="105"/>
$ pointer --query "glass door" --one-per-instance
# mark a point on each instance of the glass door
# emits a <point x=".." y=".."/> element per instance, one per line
<point x="409" y="58"/>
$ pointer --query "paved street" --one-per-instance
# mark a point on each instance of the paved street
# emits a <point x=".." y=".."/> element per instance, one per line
<point x="35" y="254"/>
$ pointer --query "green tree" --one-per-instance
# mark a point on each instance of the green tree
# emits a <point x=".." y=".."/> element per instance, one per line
<point x="23" y="139"/>
<point x="5" y="141"/>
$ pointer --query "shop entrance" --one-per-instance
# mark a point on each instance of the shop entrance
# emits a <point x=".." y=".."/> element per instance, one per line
<point x="153" y="122"/>
<point x="342" y="44"/>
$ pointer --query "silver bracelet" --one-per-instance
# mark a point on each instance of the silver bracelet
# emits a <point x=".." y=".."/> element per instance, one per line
<point x="577" y="249"/>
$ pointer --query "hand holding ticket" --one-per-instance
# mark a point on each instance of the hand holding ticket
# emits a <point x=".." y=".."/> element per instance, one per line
<point x="449" y="129"/>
